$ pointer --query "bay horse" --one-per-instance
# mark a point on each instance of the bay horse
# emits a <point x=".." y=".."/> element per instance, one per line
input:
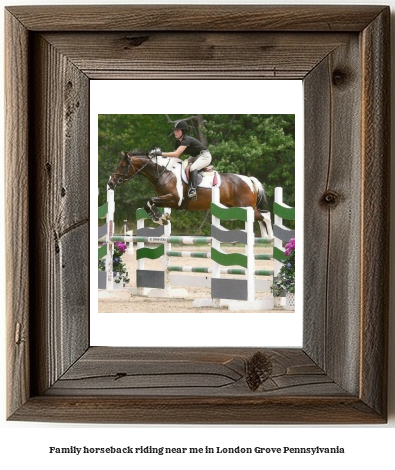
<point x="164" y="173"/>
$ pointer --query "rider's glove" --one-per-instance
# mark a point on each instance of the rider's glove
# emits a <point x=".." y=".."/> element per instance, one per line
<point x="156" y="152"/>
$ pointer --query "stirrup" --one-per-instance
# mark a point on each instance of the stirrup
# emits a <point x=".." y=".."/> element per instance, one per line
<point x="192" y="193"/>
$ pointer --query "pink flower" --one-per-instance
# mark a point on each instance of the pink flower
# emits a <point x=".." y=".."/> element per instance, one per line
<point x="290" y="247"/>
<point x="121" y="246"/>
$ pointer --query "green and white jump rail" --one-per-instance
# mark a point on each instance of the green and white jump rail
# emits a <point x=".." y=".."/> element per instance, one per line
<point x="282" y="234"/>
<point x="236" y="294"/>
<point x="105" y="232"/>
<point x="150" y="282"/>
<point x="205" y="270"/>
<point x="163" y="282"/>
<point x="194" y="254"/>
<point x="180" y="240"/>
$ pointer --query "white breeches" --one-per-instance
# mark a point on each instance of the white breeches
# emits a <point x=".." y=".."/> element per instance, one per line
<point x="203" y="160"/>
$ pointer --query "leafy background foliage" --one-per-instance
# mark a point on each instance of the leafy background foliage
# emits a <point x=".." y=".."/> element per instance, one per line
<point x="260" y="145"/>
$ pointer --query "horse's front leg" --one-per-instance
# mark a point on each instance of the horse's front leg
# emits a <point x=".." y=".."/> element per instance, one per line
<point x="151" y="207"/>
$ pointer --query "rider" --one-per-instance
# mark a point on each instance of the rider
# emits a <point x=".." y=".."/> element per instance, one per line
<point x="199" y="157"/>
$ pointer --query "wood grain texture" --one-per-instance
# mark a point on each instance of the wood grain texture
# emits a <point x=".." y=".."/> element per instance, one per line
<point x="376" y="207"/>
<point x="339" y="376"/>
<point x="61" y="203"/>
<point x="195" y="372"/>
<point x="196" y="18"/>
<point x="122" y="385"/>
<point x="200" y="55"/>
<point x="17" y="212"/>
<point x="332" y="230"/>
<point x="200" y="410"/>
<point x="317" y="151"/>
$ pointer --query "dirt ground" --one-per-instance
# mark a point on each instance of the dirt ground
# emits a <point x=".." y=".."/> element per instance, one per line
<point x="122" y="301"/>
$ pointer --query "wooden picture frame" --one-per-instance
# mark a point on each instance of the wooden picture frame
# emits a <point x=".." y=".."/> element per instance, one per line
<point x="340" y="373"/>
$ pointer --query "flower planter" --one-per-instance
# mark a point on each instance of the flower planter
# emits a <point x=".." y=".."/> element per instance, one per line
<point x="117" y="285"/>
<point x="279" y="302"/>
<point x="284" y="278"/>
<point x="290" y="301"/>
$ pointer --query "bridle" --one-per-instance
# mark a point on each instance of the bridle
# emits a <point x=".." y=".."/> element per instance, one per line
<point x="120" y="178"/>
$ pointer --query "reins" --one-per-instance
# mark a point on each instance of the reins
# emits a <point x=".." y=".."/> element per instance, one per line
<point x="164" y="168"/>
<point x="123" y="175"/>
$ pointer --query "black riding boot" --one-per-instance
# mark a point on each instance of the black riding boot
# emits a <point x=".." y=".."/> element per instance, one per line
<point x="192" y="184"/>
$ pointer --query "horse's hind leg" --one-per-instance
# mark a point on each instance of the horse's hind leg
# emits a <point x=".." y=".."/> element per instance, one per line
<point x="265" y="223"/>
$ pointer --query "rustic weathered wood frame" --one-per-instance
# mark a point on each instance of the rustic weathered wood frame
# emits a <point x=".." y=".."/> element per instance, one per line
<point x="340" y="374"/>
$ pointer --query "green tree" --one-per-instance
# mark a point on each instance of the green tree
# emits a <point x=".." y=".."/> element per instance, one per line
<point x="260" y="145"/>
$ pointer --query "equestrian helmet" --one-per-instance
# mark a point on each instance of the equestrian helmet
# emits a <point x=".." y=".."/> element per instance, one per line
<point x="181" y="125"/>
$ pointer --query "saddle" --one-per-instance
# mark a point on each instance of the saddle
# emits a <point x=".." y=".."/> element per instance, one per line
<point x="209" y="172"/>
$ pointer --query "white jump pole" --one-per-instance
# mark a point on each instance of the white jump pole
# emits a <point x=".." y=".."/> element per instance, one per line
<point x="110" y="244"/>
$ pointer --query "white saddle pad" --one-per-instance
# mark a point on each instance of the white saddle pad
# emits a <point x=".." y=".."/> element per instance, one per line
<point x="175" y="166"/>
<point x="208" y="178"/>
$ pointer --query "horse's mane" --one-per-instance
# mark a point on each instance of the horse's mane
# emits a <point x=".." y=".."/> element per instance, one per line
<point x="138" y="153"/>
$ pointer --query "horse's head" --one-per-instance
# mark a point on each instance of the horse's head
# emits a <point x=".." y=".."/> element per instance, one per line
<point x="123" y="172"/>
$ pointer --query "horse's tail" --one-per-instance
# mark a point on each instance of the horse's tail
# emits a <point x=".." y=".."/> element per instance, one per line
<point x="265" y="223"/>
<point x="261" y="193"/>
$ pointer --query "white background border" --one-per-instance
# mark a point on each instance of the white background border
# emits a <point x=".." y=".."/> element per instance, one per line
<point x="208" y="97"/>
<point x="26" y="444"/>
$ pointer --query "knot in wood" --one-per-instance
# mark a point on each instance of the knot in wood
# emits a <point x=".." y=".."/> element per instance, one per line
<point x="259" y="369"/>
<point x="339" y="77"/>
<point x="135" y="41"/>
<point x="330" y="199"/>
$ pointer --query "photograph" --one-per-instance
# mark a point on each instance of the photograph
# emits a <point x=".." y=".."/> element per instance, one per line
<point x="165" y="220"/>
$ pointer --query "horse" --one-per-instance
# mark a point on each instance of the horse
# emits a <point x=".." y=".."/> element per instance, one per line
<point x="164" y="174"/>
